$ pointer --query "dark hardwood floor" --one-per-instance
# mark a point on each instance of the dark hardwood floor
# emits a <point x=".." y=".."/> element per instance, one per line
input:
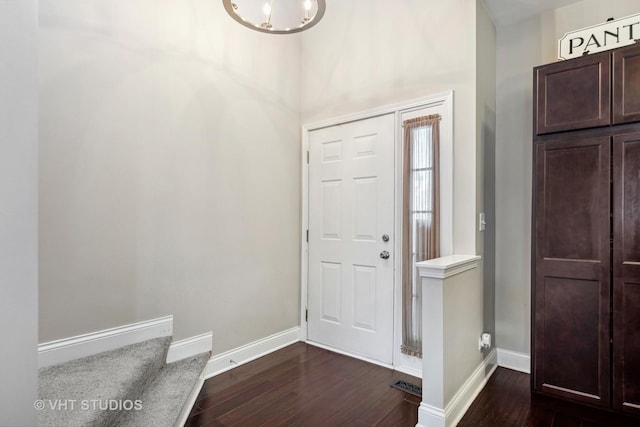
<point x="302" y="385"/>
<point x="506" y="401"/>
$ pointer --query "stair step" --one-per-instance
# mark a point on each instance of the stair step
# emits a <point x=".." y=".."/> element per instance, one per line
<point x="165" y="397"/>
<point x="86" y="391"/>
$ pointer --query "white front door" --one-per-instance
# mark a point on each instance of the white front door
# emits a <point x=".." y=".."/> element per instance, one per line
<point x="351" y="207"/>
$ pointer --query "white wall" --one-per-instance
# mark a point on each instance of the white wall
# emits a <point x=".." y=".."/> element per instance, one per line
<point x="18" y="212"/>
<point x="157" y="198"/>
<point x="370" y="53"/>
<point x="169" y="170"/>
<point x="485" y="157"/>
<point x="463" y="322"/>
<point x="522" y="46"/>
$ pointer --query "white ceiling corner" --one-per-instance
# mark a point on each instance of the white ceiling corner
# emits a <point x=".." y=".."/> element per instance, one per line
<point x="504" y="12"/>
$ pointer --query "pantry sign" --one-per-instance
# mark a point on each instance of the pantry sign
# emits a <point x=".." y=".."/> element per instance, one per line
<point x="598" y="38"/>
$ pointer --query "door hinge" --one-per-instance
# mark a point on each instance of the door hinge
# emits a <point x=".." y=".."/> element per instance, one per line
<point x="306" y="315"/>
<point x="307" y="156"/>
<point x="307" y="235"/>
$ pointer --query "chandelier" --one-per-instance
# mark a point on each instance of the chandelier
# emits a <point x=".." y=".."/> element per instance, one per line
<point x="276" y="16"/>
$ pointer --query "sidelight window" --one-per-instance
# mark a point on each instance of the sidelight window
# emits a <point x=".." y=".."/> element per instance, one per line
<point x="420" y="219"/>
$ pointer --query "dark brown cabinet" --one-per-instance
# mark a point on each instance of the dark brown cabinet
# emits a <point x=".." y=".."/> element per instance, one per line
<point x="574" y="94"/>
<point x="572" y="284"/>
<point x="586" y="231"/>
<point x="591" y="91"/>
<point x="626" y="85"/>
<point x="626" y="272"/>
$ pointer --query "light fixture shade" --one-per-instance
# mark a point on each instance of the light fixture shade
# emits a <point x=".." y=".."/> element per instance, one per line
<point x="276" y="16"/>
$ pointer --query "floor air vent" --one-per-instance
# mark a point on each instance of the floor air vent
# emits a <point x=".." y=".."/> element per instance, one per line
<point x="408" y="387"/>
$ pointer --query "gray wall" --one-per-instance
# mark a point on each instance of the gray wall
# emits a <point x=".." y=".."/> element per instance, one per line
<point x="170" y="152"/>
<point x="485" y="157"/>
<point x="18" y="212"/>
<point x="522" y="46"/>
<point x="169" y="170"/>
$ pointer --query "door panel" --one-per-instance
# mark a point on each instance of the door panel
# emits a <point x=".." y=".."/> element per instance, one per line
<point x="571" y="313"/>
<point x="626" y="273"/>
<point x="331" y="283"/>
<point x="365" y="213"/>
<point x="331" y="207"/>
<point x="364" y="297"/>
<point x="573" y="94"/>
<point x="571" y="220"/>
<point x="572" y="283"/>
<point x="626" y="85"/>
<point x="351" y="205"/>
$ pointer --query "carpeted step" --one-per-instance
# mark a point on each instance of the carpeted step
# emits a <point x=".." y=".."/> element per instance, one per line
<point x="92" y="391"/>
<point x="164" y="399"/>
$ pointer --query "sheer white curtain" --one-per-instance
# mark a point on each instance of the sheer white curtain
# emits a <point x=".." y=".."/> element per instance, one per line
<point x="420" y="219"/>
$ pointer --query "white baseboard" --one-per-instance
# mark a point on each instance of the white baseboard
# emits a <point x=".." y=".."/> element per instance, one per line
<point x="223" y="362"/>
<point x="429" y="416"/>
<point x="466" y="394"/>
<point x="190" y="347"/>
<point x="409" y="371"/>
<point x="405" y="369"/>
<point x="66" y="349"/>
<point x="514" y="360"/>
<point x="352" y="355"/>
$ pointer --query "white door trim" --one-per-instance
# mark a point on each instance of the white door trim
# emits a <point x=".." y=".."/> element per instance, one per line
<point x="444" y="99"/>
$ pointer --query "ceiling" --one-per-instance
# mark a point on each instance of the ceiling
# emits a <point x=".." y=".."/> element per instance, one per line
<point x="505" y="12"/>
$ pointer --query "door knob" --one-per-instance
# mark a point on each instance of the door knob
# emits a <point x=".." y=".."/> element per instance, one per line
<point x="384" y="254"/>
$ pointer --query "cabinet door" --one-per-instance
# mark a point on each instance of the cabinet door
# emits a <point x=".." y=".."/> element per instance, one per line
<point x="626" y="273"/>
<point x="573" y="94"/>
<point x="572" y="277"/>
<point x="626" y="85"/>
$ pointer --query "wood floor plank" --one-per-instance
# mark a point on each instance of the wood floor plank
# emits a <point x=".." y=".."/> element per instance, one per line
<point x="302" y="385"/>
<point x="368" y="412"/>
<point x="305" y="399"/>
<point x="295" y="354"/>
<point x="234" y="392"/>
<point x="405" y="414"/>
<point x="506" y="401"/>
<point x="492" y="404"/>
<point x="218" y="406"/>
